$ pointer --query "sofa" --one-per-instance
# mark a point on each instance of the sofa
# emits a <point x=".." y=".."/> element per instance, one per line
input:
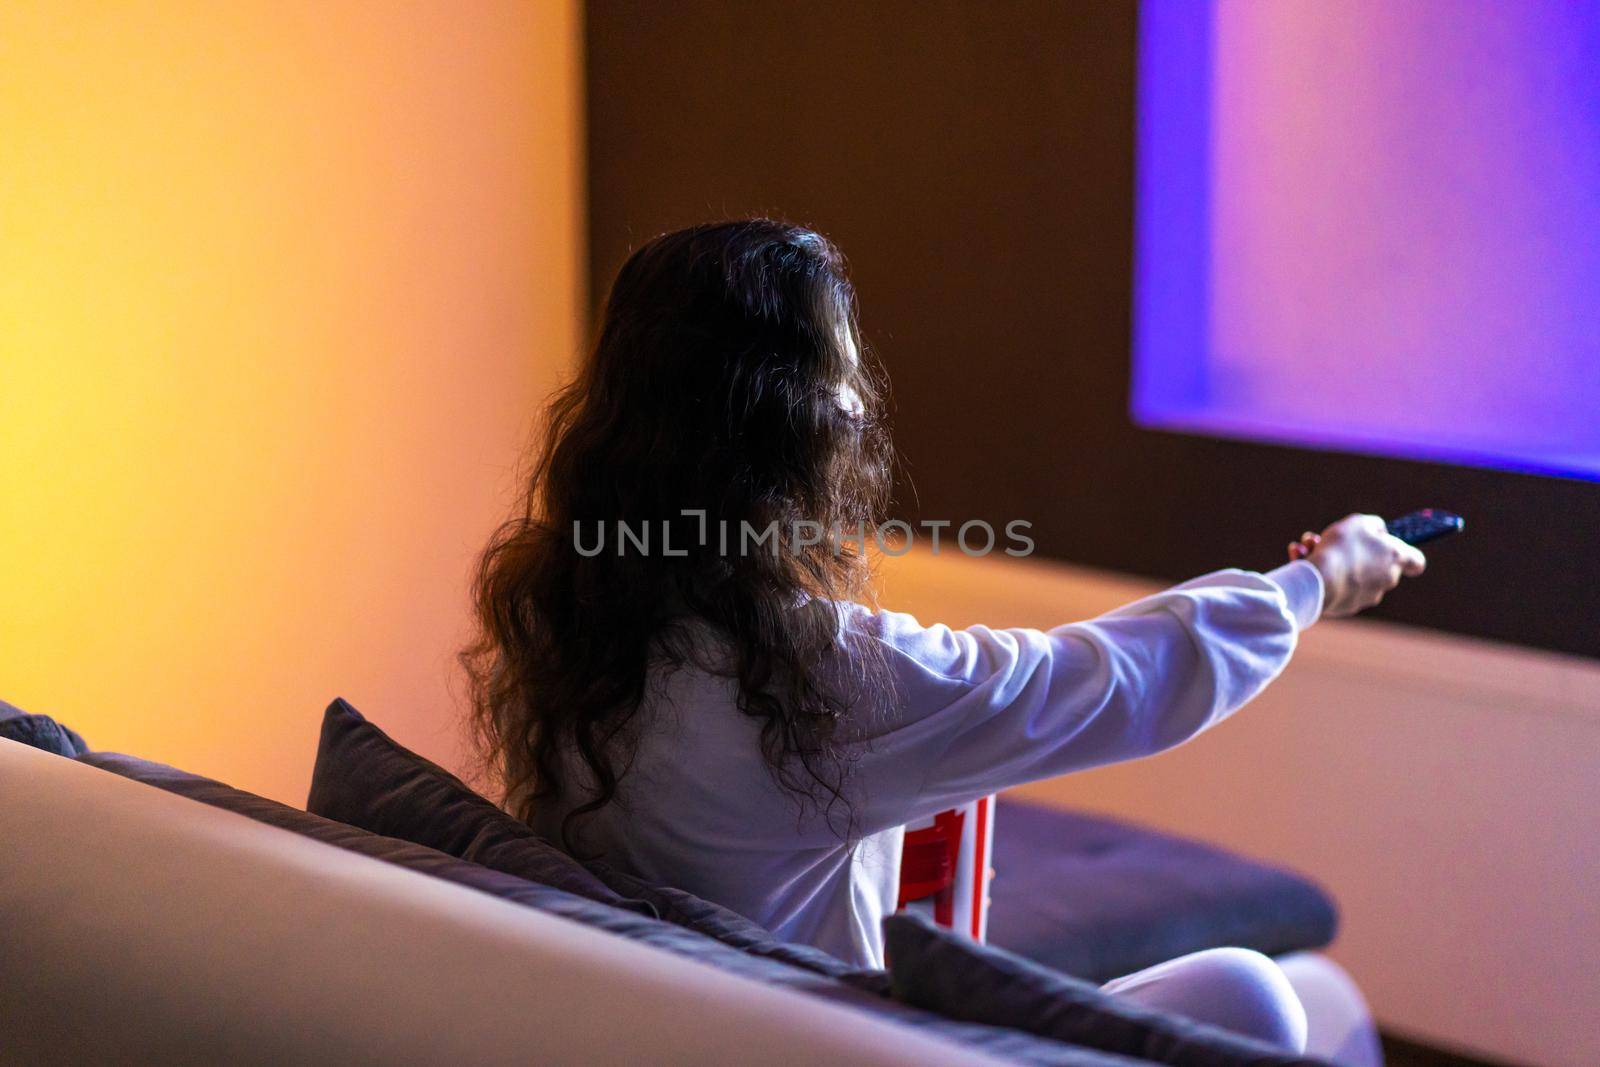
<point x="144" y="927"/>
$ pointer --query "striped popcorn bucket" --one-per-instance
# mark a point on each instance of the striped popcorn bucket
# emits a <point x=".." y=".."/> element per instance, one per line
<point x="945" y="867"/>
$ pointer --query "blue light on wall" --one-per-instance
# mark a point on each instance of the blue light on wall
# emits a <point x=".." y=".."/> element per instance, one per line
<point x="1372" y="227"/>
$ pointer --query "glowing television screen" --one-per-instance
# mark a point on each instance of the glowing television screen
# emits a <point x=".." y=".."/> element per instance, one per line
<point x="1372" y="226"/>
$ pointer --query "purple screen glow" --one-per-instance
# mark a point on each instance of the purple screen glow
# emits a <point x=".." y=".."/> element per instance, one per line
<point x="1373" y="226"/>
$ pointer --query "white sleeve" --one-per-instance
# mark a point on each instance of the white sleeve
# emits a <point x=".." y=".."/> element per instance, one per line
<point x="980" y="710"/>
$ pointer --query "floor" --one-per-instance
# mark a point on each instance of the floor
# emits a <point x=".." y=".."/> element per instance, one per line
<point x="1401" y="1052"/>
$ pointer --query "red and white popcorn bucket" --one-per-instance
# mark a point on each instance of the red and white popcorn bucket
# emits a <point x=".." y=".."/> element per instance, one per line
<point x="945" y="868"/>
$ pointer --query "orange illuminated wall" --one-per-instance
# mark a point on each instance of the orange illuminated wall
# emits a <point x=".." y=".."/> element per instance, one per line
<point x="281" y="285"/>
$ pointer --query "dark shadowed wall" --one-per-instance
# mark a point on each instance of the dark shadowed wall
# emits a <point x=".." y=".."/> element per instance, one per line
<point x="975" y="163"/>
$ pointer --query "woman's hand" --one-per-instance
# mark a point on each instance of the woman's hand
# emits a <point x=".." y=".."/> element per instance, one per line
<point x="1360" y="562"/>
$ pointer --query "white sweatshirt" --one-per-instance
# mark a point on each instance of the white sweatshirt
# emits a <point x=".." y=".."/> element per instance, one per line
<point x="976" y="711"/>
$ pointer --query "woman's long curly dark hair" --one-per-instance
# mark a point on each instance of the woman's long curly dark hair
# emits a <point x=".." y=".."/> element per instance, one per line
<point x="728" y="379"/>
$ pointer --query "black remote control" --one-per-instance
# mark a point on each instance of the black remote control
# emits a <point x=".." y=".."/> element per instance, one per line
<point x="1429" y="524"/>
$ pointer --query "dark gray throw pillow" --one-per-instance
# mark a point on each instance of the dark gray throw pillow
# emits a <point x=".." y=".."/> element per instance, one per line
<point x="1098" y="898"/>
<point x="364" y="778"/>
<point x="940" y="971"/>
<point x="39" y="731"/>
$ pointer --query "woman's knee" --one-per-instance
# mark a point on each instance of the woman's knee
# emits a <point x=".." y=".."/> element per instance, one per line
<point x="1234" y="988"/>
<point x="1265" y="1005"/>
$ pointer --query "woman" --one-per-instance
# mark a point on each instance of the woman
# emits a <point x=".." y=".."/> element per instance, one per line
<point x="658" y="684"/>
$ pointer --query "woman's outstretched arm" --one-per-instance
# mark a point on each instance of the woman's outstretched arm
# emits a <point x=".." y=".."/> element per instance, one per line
<point x="982" y="709"/>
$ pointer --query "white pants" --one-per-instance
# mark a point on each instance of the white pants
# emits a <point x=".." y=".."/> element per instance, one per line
<point x="1305" y="1003"/>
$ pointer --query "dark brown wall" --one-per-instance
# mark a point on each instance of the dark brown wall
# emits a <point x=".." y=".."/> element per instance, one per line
<point x="975" y="162"/>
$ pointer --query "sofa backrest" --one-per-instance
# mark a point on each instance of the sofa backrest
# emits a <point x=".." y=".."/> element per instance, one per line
<point x="144" y="927"/>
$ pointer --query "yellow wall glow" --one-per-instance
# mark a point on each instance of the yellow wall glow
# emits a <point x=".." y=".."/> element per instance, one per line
<point x="281" y="285"/>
